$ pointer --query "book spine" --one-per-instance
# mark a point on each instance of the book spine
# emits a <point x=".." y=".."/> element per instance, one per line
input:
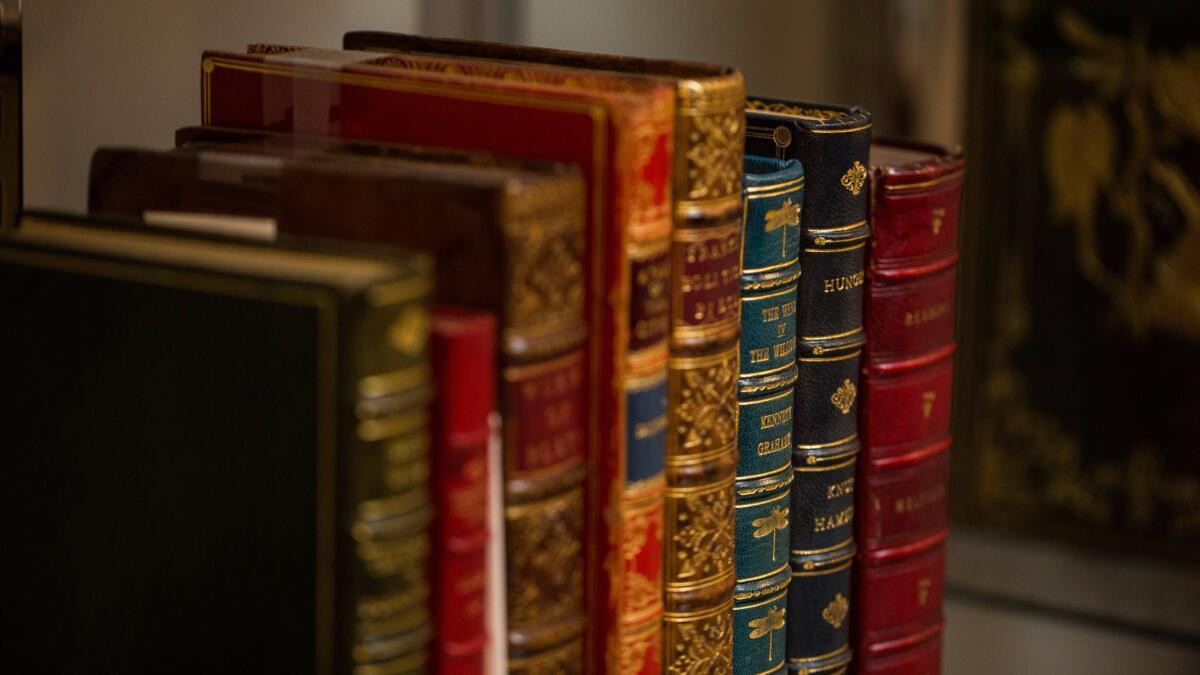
<point x="830" y="339"/>
<point x="543" y="394"/>
<point x="702" y="376"/>
<point x="464" y="376"/>
<point x="905" y="422"/>
<point x="647" y="250"/>
<point x="384" y="509"/>
<point x="771" y="205"/>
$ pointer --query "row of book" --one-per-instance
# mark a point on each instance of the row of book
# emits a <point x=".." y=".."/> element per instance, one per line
<point x="606" y="417"/>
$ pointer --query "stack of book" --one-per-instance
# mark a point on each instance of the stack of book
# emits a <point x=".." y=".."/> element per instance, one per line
<point x="434" y="355"/>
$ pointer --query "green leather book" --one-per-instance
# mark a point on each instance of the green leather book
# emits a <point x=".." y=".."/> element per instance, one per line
<point x="772" y="200"/>
<point x="214" y="453"/>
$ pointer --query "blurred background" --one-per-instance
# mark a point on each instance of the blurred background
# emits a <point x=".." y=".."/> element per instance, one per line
<point x="1076" y="470"/>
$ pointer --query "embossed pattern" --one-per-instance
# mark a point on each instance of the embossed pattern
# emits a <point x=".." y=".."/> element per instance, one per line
<point x="702" y="377"/>
<point x="545" y="566"/>
<point x="714" y="157"/>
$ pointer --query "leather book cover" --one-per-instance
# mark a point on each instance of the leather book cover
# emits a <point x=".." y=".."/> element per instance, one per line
<point x="1081" y="273"/>
<point x="698" y="530"/>
<point x="506" y="239"/>
<point x="904" y="422"/>
<point x="619" y="131"/>
<point x="231" y="479"/>
<point x="831" y="142"/>
<point x="463" y="353"/>
<point x="772" y="200"/>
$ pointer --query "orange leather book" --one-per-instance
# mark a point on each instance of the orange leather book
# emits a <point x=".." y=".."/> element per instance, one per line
<point x="561" y="548"/>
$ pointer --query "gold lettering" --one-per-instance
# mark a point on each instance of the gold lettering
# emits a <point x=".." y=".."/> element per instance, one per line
<point x="651" y="327"/>
<point x="826" y="523"/>
<point x="924" y="315"/>
<point x="789" y="308"/>
<point x="936" y="224"/>
<point x="927" y="398"/>
<point x="557" y="414"/>
<point x="780" y="329"/>
<point x="920" y="500"/>
<point x="845" y="283"/>
<point x="703" y="251"/>
<point x="775" y="419"/>
<point x="784" y="348"/>
<point x="923" y="585"/>
<point x="840" y="489"/>
<point x="715" y="308"/>
<point x="552" y="450"/>
<point x="653" y="277"/>
<point x="707" y="281"/>
<point x="784" y="442"/>
<point x="551" y="386"/>
<point x="760" y="355"/>
<point x="770" y="314"/>
<point x="649" y="428"/>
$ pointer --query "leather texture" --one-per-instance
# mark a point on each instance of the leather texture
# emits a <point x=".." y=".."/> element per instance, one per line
<point x="905" y="420"/>
<point x="832" y="143"/>
<point x="234" y="505"/>
<point x="482" y="220"/>
<point x="772" y="200"/>
<point x="584" y="119"/>
<point x="463" y="350"/>
<point x="703" y="288"/>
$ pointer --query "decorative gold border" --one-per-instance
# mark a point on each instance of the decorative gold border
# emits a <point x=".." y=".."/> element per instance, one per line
<point x="777" y="570"/>
<point x="825" y="467"/>
<point x="924" y="184"/>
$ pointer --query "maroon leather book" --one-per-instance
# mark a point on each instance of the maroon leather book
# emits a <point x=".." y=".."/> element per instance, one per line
<point x="901" y="522"/>
<point x="464" y="374"/>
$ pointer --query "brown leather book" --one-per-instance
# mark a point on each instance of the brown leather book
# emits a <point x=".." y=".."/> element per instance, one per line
<point x="506" y="238"/>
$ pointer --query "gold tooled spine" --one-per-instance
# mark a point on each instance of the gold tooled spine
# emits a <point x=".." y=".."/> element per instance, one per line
<point x="383" y="471"/>
<point x="542" y="333"/>
<point x="702" y="377"/>
<point x="638" y="634"/>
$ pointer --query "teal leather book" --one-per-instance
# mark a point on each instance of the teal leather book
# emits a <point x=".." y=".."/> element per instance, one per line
<point x="832" y="143"/>
<point x="214" y="453"/>
<point x="772" y="199"/>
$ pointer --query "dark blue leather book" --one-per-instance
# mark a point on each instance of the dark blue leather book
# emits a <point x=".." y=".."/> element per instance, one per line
<point x="772" y="199"/>
<point x="832" y="143"/>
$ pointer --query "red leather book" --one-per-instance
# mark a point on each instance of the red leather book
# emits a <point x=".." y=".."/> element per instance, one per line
<point x="464" y="373"/>
<point x="901" y="522"/>
<point x="619" y="131"/>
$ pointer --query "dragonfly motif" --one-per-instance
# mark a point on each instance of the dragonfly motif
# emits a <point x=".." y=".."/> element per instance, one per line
<point x="771" y="524"/>
<point x="788" y="214"/>
<point x="767" y="625"/>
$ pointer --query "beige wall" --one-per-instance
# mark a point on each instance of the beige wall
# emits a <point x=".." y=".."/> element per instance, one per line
<point x="127" y="71"/>
<point x="901" y="60"/>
